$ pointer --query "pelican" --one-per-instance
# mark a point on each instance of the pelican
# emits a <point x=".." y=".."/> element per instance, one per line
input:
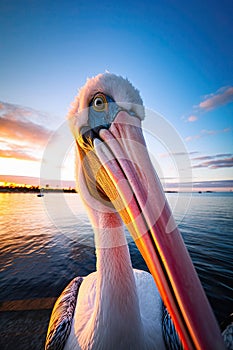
<point x="118" y="307"/>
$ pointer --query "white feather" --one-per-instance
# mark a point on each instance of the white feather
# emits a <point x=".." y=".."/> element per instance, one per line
<point x="120" y="89"/>
<point x="86" y="335"/>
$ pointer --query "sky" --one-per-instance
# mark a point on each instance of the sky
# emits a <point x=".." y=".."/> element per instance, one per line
<point x="177" y="53"/>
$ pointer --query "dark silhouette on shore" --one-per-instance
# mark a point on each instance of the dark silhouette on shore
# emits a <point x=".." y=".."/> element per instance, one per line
<point x="33" y="189"/>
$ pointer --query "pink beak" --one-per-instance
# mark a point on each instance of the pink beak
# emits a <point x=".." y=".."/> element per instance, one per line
<point x="143" y="207"/>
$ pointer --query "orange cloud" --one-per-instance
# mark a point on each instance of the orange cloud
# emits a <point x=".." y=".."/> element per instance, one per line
<point x="16" y="155"/>
<point x="24" y="131"/>
<point x="21" y="134"/>
<point x="220" y="98"/>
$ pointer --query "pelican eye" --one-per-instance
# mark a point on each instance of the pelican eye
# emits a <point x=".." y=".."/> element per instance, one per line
<point x="99" y="103"/>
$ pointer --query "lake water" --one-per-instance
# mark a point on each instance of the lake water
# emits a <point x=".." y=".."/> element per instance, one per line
<point x="47" y="241"/>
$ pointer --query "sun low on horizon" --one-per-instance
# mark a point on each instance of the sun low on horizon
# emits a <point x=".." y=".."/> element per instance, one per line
<point x="180" y="63"/>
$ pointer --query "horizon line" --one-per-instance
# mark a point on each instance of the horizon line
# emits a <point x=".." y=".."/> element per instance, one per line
<point x="27" y="181"/>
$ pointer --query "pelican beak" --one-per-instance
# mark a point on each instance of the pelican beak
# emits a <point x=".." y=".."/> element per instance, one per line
<point x="126" y="176"/>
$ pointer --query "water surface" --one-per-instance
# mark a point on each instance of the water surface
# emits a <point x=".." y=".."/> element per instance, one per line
<point x="45" y="242"/>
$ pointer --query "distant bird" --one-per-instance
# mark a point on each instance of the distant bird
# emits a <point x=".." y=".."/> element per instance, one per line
<point x="118" y="307"/>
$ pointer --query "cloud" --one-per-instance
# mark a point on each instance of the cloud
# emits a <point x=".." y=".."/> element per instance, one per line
<point x="214" y="184"/>
<point x="216" y="163"/>
<point x="203" y="185"/>
<point x="16" y="155"/>
<point x="220" y="155"/>
<point x="175" y="154"/>
<point x="214" y="100"/>
<point x="21" y="132"/>
<point x="205" y="133"/>
<point x="22" y="113"/>
<point x="192" y="118"/>
<point x="221" y="97"/>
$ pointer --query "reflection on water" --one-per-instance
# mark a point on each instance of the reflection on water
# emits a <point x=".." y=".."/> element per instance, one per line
<point x="47" y="241"/>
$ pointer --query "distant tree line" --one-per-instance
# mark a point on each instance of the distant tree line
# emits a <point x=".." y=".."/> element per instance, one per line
<point x="34" y="189"/>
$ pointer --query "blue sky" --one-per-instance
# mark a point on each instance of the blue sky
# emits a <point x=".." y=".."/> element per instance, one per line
<point x="177" y="53"/>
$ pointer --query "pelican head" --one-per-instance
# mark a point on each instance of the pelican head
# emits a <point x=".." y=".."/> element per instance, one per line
<point x="115" y="175"/>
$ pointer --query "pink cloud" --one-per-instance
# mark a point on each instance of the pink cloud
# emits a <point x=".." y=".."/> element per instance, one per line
<point x="222" y="97"/>
<point x="24" y="131"/>
<point x="16" y="155"/>
<point x="192" y="118"/>
<point x="193" y="137"/>
<point x="21" y="132"/>
<point x="216" y="163"/>
<point x="205" y="132"/>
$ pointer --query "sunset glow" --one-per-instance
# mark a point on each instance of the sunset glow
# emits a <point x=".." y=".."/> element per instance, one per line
<point x="166" y="56"/>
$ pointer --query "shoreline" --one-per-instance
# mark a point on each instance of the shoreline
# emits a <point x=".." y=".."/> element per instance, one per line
<point x="33" y="189"/>
<point x="36" y="190"/>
